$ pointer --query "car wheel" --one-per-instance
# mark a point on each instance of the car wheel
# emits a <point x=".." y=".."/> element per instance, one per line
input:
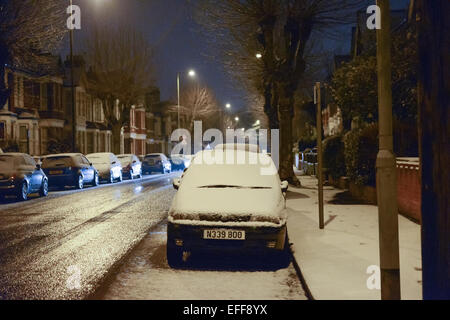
<point x="23" y="192"/>
<point x="43" y="192"/>
<point x="80" y="182"/>
<point x="283" y="257"/>
<point x="174" y="256"/>
<point x="96" y="181"/>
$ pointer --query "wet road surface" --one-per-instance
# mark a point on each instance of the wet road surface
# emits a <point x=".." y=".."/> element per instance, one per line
<point x="145" y="275"/>
<point x="62" y="246"/>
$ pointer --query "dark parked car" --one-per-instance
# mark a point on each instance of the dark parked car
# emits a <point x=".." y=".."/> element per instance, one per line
<point x="21" y="176"/>
<point x="131" y="166"/>
<point x="70" y="169"/>
<point x="156" y="162"/>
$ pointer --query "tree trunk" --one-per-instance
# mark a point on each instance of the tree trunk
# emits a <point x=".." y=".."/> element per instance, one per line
<point x="434" y="138"/>
<point x="4" y="91"/>
<point x="116" y="138"/>
<point x="286" y="112"/>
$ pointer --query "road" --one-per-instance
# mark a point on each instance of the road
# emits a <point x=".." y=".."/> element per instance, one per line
<point x="61" y="247"/>
<point x="145" y="275"/>
<point x="109" y="242"/>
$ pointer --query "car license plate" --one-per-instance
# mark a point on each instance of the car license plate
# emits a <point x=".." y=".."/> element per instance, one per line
<point x="53" y="172"/>
<point x="224" y="234"/>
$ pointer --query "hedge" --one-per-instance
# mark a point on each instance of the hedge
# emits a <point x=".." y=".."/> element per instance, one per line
<point x="361" y="149"/>
<point x="333" y="156"/>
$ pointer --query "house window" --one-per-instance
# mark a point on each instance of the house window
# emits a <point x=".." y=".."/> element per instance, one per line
<point x="2" y="131"/>
<point x="23" y="138"/>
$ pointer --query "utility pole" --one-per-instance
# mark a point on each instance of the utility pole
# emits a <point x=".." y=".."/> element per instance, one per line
<point x="72" y="85"/>
<point x="434" y="135"/>
<point x="386" y="165"/>
<point x="178" y="95"/>
<point x="318" y="96"/>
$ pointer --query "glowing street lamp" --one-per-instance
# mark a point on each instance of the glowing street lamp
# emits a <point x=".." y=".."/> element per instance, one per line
<point x="228" y="106"/>
<point x="237" y="119"/>
<point x="258" y="55"/>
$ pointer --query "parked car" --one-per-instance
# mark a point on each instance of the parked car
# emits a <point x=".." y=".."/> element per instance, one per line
<point x="156" y="162"/>
<point x="179" y="162"/>
<point x="228" y="207"/>
<point x="69" y="169"/>
<point x="131" y="166"/>
<point x="21" y="176"/>
<point x="108" y="166"/>
<point x="38" y="160"/>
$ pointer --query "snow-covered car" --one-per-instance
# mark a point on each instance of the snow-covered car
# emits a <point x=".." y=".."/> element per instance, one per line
<point x="228" y="207"/>
<point x="179" y="162"/>
<point x="21" y="176"/>
<point x="131" y="166"/>
<point x="108" y="166"/>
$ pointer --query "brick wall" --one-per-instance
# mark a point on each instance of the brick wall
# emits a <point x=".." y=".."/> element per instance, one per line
<point x="408" y="188"/>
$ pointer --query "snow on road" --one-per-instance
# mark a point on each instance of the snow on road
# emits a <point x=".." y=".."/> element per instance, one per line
<point x="146" y="276"/>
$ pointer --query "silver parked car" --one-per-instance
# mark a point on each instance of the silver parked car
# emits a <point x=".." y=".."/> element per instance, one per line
<point x="108" y="166"/>
<point x="131" y="166"/>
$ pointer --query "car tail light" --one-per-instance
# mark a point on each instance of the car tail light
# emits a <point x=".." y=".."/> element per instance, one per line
<point x="271" y="244"/>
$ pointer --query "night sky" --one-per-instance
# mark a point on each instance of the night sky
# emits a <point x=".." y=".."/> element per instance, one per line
<point x="179" y="44"/>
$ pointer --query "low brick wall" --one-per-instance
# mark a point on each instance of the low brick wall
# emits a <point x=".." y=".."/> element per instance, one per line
<point x="408" y="189"/>
<point x="409" y="195"/>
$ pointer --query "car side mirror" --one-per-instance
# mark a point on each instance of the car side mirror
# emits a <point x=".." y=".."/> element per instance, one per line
<point x="38" y="166"/>
<point x="176" y="183"/>
<point x="90" y="163"/>
<point x="284" y="186"/>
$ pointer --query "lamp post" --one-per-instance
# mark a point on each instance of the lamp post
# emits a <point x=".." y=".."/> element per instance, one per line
<point x="192" y="74"/>
<point x="386" y="174"/>
<point x="72" y="86"/>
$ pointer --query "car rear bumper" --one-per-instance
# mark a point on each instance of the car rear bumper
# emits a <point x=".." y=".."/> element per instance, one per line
<point x="148" y="168"/>
<point x="61" y="180"/>
<point x="257" y="239"/>
<point x="8" y="188"/>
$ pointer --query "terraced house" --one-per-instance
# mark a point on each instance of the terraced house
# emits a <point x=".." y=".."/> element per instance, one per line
<point x="37" y="118"/>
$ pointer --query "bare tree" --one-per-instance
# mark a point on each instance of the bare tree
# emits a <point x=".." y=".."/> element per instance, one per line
<point x="120" y="73"/>
<point x="197" y="103"/>
<point x="29" y="31"/>
<point x="280" y="31"/>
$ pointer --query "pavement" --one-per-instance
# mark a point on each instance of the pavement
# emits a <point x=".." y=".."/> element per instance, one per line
<point x="341" y="261"/>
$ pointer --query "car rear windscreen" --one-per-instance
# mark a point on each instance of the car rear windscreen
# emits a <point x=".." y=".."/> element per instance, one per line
<point x="55" y="162"/>
<point x="7" y="161"/>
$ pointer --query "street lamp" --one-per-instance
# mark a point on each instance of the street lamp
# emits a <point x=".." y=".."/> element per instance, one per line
<point x="237" y="119"/>
<point x="228" y="106"/>
<point x="191" y="74"/>
<point x="258" y="55"/>
<point x="74" y="117"/>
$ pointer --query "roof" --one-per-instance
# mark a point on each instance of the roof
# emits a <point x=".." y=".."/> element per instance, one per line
<point x="62" y="155"/>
